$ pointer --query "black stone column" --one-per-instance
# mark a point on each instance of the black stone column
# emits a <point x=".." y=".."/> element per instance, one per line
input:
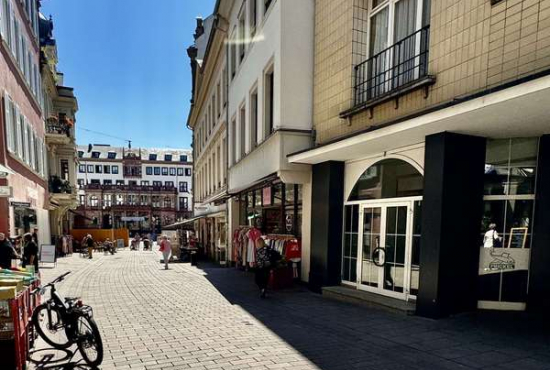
<point x="451" y="219"/>
<point x="539" y="270"/>
<point x="327" y="214"/>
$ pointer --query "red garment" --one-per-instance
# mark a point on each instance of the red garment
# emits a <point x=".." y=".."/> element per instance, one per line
<point x="254" y="234"/>
<point x="293" y="249"/>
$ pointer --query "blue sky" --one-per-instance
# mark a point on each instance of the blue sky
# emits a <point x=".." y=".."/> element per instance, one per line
<point x="127" y="62"/>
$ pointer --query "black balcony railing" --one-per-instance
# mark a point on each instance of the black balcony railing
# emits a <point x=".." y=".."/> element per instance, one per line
<point x="393" y="68"/>
<point x="59" y="128"/>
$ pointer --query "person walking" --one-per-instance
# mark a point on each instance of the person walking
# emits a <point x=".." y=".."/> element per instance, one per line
<point x="266" y="258"/>
<point x="7" y="252"/>
<point x="166" y="249"/>
<point x="30" y="252"/>
<point x="90" y="244"/>
<point x="491" y="239"/>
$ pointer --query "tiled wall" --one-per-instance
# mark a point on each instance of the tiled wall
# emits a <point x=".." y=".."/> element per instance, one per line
<point x="474" y="46"/>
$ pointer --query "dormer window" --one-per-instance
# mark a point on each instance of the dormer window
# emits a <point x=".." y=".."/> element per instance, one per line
<point x="111" y="155"/>
<point x="168" y="157"/>
<point x="152" y="157"/>
<point x="95" y="154"/>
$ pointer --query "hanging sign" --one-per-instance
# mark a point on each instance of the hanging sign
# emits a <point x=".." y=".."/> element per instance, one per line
<point x="47" y="253"/>
<point x="518" y="237"/>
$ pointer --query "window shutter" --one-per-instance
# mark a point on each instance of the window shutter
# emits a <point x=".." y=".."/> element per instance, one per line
<point x="7" y="121"/>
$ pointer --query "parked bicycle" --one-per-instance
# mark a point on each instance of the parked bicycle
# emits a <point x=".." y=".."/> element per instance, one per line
<point x="64" y="322"/>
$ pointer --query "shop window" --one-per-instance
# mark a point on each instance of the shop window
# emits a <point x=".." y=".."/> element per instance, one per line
<point x="389" y="178"/>
<point x="277" y="194"/>
<point x="290" y="193"/>
<point x="508" y="211"/>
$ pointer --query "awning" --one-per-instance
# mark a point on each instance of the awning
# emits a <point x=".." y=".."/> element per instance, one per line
<point x="182" y="223"/>
<point x="517" y="111"/>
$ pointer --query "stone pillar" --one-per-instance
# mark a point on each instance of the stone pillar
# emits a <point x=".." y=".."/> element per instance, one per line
<point x="539" y="274"/>
<point x="451" y="219"/>
<point x="327" y="202"/>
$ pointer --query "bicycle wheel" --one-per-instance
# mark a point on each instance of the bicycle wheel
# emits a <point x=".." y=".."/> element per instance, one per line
<point x="89" y="341"/>
<point x="50" y="326"/>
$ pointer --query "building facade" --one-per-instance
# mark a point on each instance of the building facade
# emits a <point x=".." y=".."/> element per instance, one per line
<point x="24" y="204"/>
<point x="208" y="120"/>
<point x="139" y="189"/>
<point x="253" y="78"/>
<point x="60" y="107"/>
<point x="431" y="163"/>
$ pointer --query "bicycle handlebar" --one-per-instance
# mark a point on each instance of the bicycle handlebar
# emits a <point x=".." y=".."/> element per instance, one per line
<point x="59" y="278"/>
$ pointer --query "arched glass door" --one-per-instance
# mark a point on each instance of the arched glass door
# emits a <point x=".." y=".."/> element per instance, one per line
<point x="382" y="230"/>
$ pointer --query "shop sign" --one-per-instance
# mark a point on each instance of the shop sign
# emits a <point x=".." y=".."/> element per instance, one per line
<point x="497" y="260"/>
<point x="132" y="219"/>
<point x="47" y="253"/>
<point x="6" y="191"/>
<point x="20" y="204"/>
<point x="289" y="221"/>
<point x="266" y="196"/>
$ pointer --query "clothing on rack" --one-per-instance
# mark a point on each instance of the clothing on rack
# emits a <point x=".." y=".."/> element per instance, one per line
<point x="287" y="246"/>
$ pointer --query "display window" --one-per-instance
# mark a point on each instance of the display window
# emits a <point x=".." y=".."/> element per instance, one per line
<point x="506" y="228"/>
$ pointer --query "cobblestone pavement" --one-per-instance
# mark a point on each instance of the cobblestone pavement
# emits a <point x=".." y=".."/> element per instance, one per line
<point x="212" y="318"/>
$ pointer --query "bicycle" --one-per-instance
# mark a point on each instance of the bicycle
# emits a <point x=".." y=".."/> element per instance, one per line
<point x="64" y="322"/>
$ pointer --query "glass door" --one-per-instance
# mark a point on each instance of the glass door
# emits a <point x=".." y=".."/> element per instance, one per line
<point x="386" y="248"/>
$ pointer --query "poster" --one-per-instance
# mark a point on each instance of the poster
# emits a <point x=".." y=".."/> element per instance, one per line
<point x="518" y="237"/>
<point x="47" y="253"/>
<point x="120" y="243"/>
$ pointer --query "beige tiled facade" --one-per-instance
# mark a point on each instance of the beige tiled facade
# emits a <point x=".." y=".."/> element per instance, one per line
<point x="474" y="46"/>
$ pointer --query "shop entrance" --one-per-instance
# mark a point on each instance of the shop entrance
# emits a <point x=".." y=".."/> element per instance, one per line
<point x="386" y="260"/>
<point x="382" y="231"/>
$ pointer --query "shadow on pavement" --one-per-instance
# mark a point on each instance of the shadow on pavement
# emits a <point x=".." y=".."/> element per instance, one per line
<point x="335" y="335"/>
<point x="56" y="359"/>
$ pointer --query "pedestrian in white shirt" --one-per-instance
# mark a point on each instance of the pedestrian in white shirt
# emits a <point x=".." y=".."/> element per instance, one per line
<point x="166" y="249"/>
<point x="491" y="238"/>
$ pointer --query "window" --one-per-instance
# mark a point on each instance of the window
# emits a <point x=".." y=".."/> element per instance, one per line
<point x="106" y="169"/>
<point x="82" y="168"/>
<point x="82" y="200"/>
<point x="119" y="199"/>
<point x="155" y="199"/>
<point x="168" y="157"/>
<point x="94" y="201"/>
<point x="183" y="158"/>
<point x="80" y="154"/>
<point x="172" y="171"/>
<point x="242" y="132"/>
<point x="187" y="172"/>
<point x="98" y="168"/>
<point x="180" y="172"/>
<point x="149" y="171"/>
<point x="184" y="204"/>
<point x="253" y="119"/>
<point x="253" y="11"/>
<point x="233" y="55"/>
<point x="164" y="171"/>
<point x="157" y="171"/>
<point x="107" y="182"/>
<point x="111" y="155"/>
<point x="169" y="184"/>
<point x="167" y="202"/>
<point x="183" y="187"/>
<point x="144" y="183"/>
<point x="144" y="200"/>
<point x="90" y="168"/>
<point x="242" y="35"/>
<point x="218" y="102"/>
<point x="119" y="182"/>
<point x="95" y="182"/>
<point x="157" y="183"/>
<point x="95" y="154"/>
<point x="114" y="170"/>
<point x="107" y="200"/>
<point x="268" y="102"/>
<point x="132" y="183"/>
<point x="152" y="157"/>
<point x="80" y="182"/>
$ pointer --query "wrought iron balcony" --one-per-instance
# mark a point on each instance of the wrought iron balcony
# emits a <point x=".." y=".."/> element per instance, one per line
<point x="393" y="69"/>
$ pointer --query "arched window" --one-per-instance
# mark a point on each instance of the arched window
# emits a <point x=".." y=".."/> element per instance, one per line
<point x="389" y="178"/>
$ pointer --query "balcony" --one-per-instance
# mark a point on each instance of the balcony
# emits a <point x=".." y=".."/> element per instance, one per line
<point x="59" y="131"/>
<point x="61" y="191"/>
<point x="393" y="72"/>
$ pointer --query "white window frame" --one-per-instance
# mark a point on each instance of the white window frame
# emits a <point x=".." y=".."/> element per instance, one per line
<point x="9" y="122"/>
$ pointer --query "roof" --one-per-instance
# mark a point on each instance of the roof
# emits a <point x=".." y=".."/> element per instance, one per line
<point x="104" y="151"/>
